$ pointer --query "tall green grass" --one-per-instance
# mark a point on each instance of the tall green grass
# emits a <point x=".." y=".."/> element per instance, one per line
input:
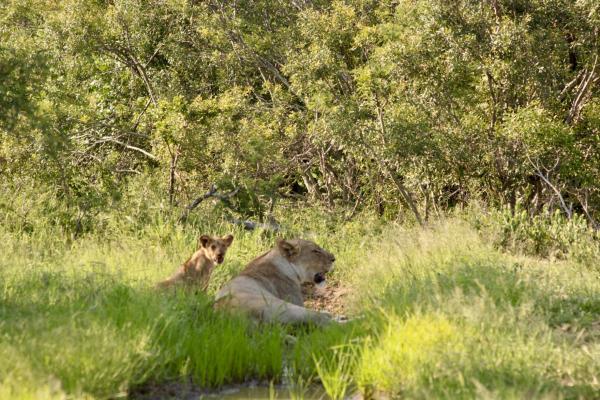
<point x="442" y="312"/>
<point x="80" y="316"/>
<point x="456" y="318"/>
<point x="99" y="334"/>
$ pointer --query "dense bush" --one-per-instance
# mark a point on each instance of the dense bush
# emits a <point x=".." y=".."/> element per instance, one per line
<point x="548" y="234"/>
<point x="416" y="105"/>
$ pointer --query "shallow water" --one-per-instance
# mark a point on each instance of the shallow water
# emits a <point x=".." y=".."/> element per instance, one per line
<point x="244" y="391"/>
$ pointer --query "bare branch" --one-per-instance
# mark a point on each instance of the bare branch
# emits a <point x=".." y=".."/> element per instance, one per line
<point x="399" y="185"/>
<point x="130" y="171"/>
<point x="248" y="225"/>
<point x="139" y="117"/>
<point x="153" y="55"/>
<point x="212" y="192"/>
<point x="224" y="197"/>
<point x="568" y="210"/>
<point x="571" y="84"/>
<point x="127" y="146"/>
<point x="584" y="206"/>
<point x="582" y="94"/>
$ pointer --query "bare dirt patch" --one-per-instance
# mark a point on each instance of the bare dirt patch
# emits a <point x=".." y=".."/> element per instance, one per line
<point x="244" y="391"/>
<point x="331" y="299"/>
<point x="166" y="390"/>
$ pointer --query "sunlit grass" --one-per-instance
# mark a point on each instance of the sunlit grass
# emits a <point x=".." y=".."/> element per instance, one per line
<point x="456" y="318"/>
<point x="405" y="349"/>
<point x="440" y="313"/>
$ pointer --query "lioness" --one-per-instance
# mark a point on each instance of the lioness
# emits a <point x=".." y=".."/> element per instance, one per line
<point x="269" y="288"/>
<point x="197" y="269"/>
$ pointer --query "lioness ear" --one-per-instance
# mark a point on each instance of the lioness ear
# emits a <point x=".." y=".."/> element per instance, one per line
<point x="287" y="248"/>
<point x="228" y="239"/>
<point x="203" y="241"/>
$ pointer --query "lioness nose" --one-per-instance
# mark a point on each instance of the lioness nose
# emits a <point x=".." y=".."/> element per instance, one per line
<point x="332" y="258"/>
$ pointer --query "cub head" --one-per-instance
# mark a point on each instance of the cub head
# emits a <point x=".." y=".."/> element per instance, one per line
<point x="215" y="247"/>
<point x="313" y="261"/>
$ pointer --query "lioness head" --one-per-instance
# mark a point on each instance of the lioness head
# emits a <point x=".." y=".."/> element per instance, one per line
<point x="313" y="261"/>
<point x="215" y="247"/>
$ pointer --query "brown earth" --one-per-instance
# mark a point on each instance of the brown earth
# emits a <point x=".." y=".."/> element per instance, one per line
<point x="332" y="299"/>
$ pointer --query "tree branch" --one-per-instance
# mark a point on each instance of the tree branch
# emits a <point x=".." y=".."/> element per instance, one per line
<point x="584" y="88"/>
<point x="399" y="185"/>
<point x="568" y="211"/>
<point x="212" y="192"/>
<point x="127" y="146"/>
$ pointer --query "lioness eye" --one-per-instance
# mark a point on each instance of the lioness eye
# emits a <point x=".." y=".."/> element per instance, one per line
<point x="213" y="247"/>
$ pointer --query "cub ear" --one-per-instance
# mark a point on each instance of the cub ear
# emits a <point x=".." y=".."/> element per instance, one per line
<point x="203" y="241"/>
<point x="228" y="239"/>
<point x="288" y="249"/>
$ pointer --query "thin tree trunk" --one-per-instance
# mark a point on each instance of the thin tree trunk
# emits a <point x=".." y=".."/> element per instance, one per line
<point x="172" y="182"/>
<point x="582" y="94"/>
<point x="399" y="185"/>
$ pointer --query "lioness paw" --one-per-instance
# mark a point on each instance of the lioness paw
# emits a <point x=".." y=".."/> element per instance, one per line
<point x="341" y="319"/>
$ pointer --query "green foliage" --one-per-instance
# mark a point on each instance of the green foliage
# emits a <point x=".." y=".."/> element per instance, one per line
<point x="413" y="104"/>
<point x="548" y="235"/>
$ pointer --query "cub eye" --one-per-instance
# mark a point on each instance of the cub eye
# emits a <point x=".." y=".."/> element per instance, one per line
<point x="213" y="247"/>
<point x="316" y="251"/>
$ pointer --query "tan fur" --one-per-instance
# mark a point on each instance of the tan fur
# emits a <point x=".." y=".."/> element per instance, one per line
<point x="197" y="269"/>
<point x="269" y="288"/>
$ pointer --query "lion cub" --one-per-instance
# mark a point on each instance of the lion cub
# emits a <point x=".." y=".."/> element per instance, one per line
<point x="198" y="268"/>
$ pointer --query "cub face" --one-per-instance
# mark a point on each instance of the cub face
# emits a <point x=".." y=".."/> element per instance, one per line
<point x="215" y="247"/>
<point x="313" y="260"/>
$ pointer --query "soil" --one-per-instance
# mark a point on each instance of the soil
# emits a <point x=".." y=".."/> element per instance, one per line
<point x="243" y="391"/>
<point x="332" y="299"/>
